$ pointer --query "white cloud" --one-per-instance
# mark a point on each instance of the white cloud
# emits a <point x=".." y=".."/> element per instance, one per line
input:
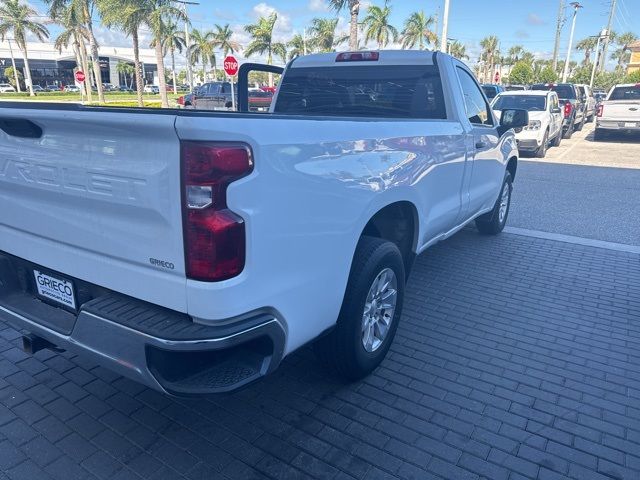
<point x="318" y="6"/>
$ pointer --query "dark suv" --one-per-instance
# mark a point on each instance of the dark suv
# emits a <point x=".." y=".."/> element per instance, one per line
<point x="213" y="96"/>
<point x="572" y="103"/>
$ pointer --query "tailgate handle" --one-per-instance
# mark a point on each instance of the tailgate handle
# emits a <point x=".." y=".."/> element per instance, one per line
<point x="20" y="127"/>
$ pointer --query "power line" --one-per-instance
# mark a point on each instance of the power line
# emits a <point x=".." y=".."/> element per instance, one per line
<point x="612" y="14"/>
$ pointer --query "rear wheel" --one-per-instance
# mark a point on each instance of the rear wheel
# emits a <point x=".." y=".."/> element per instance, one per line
<point x="370" y="311"/>
<point x="493" y="222"/>
<point x="580" y="125"/>
<point x="568" y="133"/>
<point x="541" y="152"/>
<point x="557" y="139"/>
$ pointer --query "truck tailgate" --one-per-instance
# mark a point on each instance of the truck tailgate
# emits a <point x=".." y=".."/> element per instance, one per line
<point x="621" y="111"/>
<point x="96" y="197"/>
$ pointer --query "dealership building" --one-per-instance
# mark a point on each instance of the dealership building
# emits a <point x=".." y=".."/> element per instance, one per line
<point x="49" y="66"/>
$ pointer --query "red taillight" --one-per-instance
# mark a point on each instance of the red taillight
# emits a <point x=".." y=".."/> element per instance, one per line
<point x="358" y="57"/>
<point x="600" y="110"/>
<point x="214" y="236"/>
<point x="567" y="109"/>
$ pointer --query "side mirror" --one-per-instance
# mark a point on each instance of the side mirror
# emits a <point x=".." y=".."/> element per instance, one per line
<point x="556" y="110"/>
<point x="513" y="118"/>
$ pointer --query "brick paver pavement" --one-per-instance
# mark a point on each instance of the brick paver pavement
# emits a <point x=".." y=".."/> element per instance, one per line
<point x="516" y="358"/>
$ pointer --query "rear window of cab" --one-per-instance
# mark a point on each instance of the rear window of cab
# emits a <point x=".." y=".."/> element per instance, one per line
<point x="408" y="91"/>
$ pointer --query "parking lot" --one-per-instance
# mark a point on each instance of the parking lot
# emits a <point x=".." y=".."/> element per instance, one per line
<point x="517" y="357"/>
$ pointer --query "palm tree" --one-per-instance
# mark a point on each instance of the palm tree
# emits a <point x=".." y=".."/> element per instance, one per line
<point x="623" y="54"/>
<point x="587" y="44"/>
<point x="323" y="34"/>
<point x="201" y="50"/>
<point x="126" y="70"/>
<point x="172" y="39"/>
<point x="158" y="14"/>
<point x="490" y="52"/>
<point x="378" y="27"/>
<point x="417" y="30"/>
<point x="458" y="50"/>
<point x="128" y="16"/>
<point x="17" y="18"/>
<point x="298" y="45"/>
<point x="222" y="39"/>
<point x="515" y="53"/>
<point x="354" y="11"/>
<point x="75" y="33"/>
<point x="85" y="9"/>
<point x="262" y="41"/>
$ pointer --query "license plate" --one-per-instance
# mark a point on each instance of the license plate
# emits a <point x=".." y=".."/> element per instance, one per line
<point x="630" y="125"/>
<point x="56" y="289"/>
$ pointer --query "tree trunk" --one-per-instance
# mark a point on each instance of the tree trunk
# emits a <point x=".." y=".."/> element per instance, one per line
<point x="173" y="68"/>
<point x="138" y="68"/>
<point x="162" y="83"/>
<point x="270" y="61"/>
<point x="95" y="59"/>
<point x="85" y="67"/>
<point x="27" y="70"/>
<point x="354" y="10"/>
<point x="76" y="50"/>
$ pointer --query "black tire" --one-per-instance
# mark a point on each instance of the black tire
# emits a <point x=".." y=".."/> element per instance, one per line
<point x="590" y="118"/>
<point x="568" y="133"/>
<point x="343" y="349"/>
<point x="557" y="140"/>
<point x="580" y="125"/>
<point x="541" y="151"/>
<point x="490" y="223"/>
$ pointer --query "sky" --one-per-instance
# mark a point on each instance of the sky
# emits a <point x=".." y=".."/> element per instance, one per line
<point x="530" y="23"/>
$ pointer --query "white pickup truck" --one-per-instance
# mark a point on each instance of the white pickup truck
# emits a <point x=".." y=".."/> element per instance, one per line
<point x="620" y="111"/>
<point x="192" y="251"/>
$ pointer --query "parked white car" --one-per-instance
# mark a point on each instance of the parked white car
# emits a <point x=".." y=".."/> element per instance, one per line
<point x="7" y="88"/>
<point x="192" y="250"/>
<point x="72" y="89"/>
<point x="545" y="118"/>
<point x="620" y="111"/>
<point x="154" y="89"/>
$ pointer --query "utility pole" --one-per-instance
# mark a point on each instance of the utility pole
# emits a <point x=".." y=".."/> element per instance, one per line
<point x="602" y="35"/>
<point x="576" y="6"/>
<point x="304" y="41"/>
<point x="556" y="47"/>
<point x="187" y="39"/>
<point x="13" y="64"/>
<point x="612" y="14"/>
<point x="445" y="27"/>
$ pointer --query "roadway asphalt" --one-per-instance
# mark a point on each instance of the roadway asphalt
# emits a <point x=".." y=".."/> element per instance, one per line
<point x="582" y="188"/>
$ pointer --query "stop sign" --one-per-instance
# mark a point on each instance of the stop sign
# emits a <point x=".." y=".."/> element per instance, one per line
<point x="230" y="65"/>
<point x="80" y="76"/>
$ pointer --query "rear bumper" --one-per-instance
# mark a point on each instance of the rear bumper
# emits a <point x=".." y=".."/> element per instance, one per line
<point x="160" y="348"/>
<point x="616" y="125"/>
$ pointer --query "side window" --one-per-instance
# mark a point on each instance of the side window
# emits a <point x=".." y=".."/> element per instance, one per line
<point x="478" y="112"/>
<point x="213" y="89"/>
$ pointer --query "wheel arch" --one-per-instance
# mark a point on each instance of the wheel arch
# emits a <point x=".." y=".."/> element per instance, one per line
<point x="397" y="222"/>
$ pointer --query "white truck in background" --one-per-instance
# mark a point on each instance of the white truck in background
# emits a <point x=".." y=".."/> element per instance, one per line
<point x="619" y="112"/>
<point x="192" y="251"/>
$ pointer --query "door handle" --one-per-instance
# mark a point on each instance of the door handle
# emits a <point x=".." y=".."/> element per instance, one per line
<point x="481" y="144"/>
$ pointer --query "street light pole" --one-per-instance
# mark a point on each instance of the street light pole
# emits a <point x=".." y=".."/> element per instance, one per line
<point x="445" y="27"/>
<point x="576" y="6"/>
<point x="13" y="64"/>
<point x="602" y="35"/>
<point x="187" y="39"/>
